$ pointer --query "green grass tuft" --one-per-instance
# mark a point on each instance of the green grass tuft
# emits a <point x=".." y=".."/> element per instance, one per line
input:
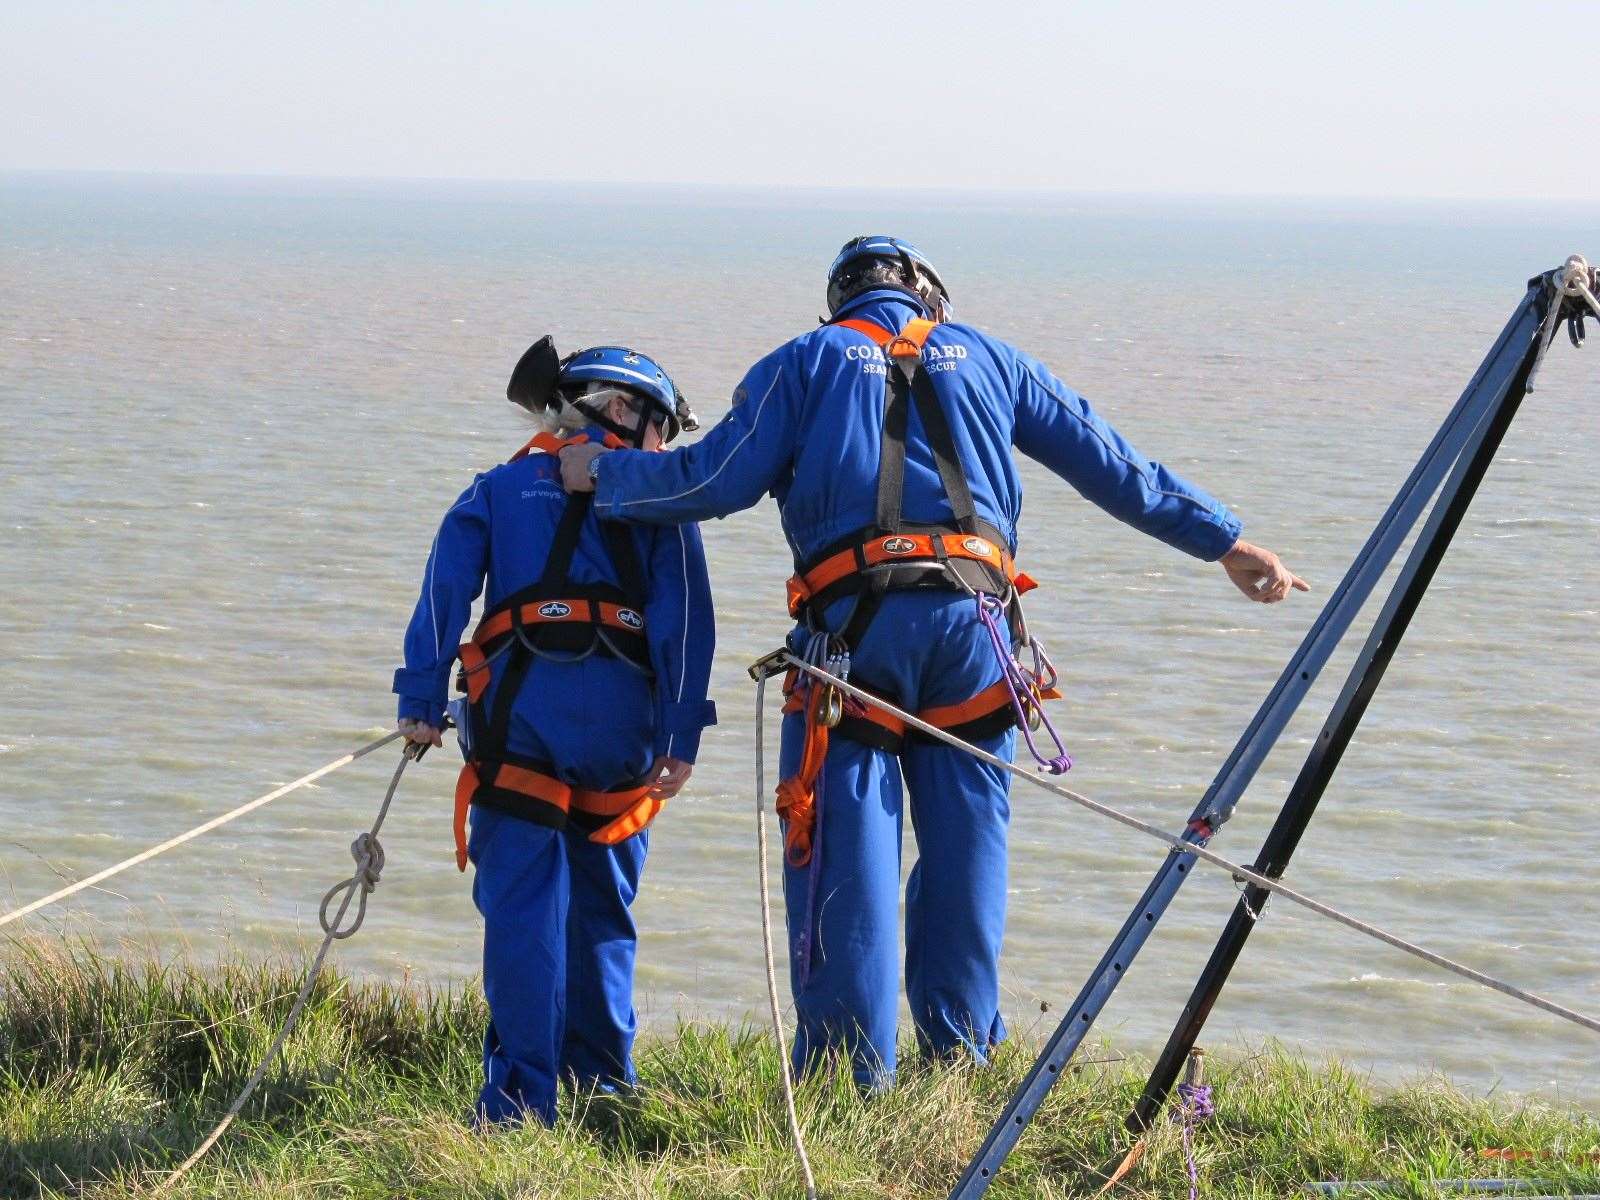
<point x="111" y="1071"/>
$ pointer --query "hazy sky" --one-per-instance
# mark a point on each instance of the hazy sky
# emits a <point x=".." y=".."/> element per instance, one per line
<point x="1427" y="98"/>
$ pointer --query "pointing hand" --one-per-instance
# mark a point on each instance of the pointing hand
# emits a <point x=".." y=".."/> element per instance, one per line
<point x="1260" y="574"/>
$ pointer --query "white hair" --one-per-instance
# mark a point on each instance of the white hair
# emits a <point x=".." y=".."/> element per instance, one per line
<point x="568" y="417"/>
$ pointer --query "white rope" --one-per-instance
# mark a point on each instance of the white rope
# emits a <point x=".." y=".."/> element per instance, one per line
<point x="784" y="1070"/>
<point x="1216" y="860"/>
<point x="206" y="827"/>
<point x="1577" y="280"/>
<point x="368" y="855"/>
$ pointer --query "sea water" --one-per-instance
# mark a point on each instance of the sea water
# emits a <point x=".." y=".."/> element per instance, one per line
<point x="234" y="411"/>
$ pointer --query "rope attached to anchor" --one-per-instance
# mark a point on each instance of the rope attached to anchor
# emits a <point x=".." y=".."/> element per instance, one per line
<point x="1183" y="845"/>
<point x="1194" y="1106"/>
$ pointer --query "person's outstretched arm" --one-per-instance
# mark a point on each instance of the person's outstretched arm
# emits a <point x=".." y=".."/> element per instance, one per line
<point x="450" y="583"/>
<point x="733" y="466"/>
<point x="1059" y="429"/>
<point x="682" y="634"/>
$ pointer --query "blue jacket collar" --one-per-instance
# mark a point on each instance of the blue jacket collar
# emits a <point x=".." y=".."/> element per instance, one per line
<point x="885" y="307"/>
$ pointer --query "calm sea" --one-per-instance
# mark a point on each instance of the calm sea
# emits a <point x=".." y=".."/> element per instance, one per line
<point x="235" y="410"/>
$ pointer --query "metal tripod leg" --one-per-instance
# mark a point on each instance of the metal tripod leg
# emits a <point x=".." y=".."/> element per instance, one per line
<point x="1500" y="373"/>
<point x="1328" y="750"/>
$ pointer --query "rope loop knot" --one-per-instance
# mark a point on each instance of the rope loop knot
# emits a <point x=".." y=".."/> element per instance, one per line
<point x="1194" y="1102"/>
<point x="367" y="851"/>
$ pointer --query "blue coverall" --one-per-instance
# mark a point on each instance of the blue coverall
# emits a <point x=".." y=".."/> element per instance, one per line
<point x="807" y="426"/>
<point x="559" y="941"/>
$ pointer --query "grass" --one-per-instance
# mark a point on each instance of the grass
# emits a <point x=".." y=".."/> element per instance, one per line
<point x="111" y="1071"/>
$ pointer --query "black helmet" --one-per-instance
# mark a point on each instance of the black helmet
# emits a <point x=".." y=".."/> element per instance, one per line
<point x="861" y="266"/>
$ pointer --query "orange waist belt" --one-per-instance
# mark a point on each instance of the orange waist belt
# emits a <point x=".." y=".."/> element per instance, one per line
<point x="902" y="548"/>
<point x="628" y="810"/>
<point x="796" y="802"/>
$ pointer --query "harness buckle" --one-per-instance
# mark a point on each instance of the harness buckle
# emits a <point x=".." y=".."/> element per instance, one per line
<point x="768" y="665"/>
<point x="904" y="354"/>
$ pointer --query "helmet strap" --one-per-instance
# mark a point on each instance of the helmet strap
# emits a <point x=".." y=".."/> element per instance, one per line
<point x="633" y="437"/>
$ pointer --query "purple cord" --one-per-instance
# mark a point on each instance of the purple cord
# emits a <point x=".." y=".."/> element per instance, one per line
<point x="1194" y="1104"/>
<point x="991" y="612"/>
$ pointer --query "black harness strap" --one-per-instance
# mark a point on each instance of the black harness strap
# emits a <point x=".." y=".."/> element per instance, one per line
<point x="899" y="395"/>
<point x="943" y="444"/>
<point x="553" y="579"/>
<point x="491" y="740"/>
<point x="892" y="456"/>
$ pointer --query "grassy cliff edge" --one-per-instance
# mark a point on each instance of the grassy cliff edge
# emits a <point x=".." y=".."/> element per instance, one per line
<point x="112" y="1070"/>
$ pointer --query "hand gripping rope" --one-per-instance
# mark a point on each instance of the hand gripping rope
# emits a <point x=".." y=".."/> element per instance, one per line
<point x="173" y="843"/>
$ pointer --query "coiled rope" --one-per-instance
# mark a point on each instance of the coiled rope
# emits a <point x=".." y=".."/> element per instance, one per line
<point x="785" y="1072"/>
<point x="1238" y="871"/>
<point x="368" y="855"/>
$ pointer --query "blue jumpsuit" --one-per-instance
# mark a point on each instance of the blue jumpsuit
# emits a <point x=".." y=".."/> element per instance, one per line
<point x="807" y="426"/>
<point x="559" y="941"/>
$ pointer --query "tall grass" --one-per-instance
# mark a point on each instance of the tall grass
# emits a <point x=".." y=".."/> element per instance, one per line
<point x="111" y="1071"/>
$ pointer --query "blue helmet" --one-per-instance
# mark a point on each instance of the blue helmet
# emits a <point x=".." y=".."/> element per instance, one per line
<point x="915" y="275"/>
<point x="542" y="381"/>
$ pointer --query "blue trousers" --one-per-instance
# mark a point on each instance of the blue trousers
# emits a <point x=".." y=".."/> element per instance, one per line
<point x="558" y="937"/>
<point x="558" y="955"/>
<point x="924" y="648"/>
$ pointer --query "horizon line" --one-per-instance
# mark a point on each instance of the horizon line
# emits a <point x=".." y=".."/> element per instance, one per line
<point x="842" y="190"/>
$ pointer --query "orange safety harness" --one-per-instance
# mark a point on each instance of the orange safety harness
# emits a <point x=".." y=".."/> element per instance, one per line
<point x="892" y="556"/>
<point x="553" y="617"/>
